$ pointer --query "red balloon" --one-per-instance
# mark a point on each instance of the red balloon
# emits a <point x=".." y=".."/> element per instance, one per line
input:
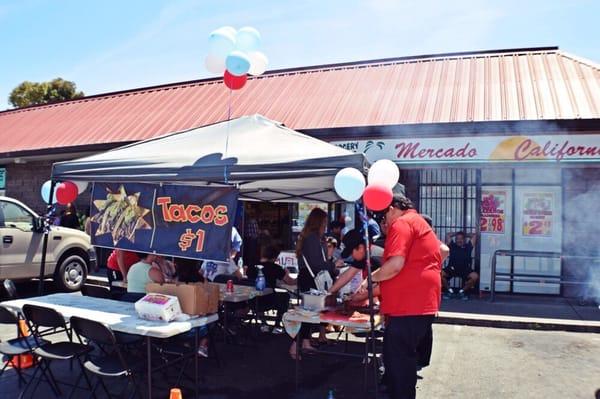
<point x="377" y="197"/>
<point x="234" y="82"/>
<point x="66" y="192"/>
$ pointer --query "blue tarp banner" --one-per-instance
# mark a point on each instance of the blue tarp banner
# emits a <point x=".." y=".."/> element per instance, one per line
<point x="172" y="220"/>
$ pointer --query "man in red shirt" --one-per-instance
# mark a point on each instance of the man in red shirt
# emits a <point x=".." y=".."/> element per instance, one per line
<point x="410" y="285"/>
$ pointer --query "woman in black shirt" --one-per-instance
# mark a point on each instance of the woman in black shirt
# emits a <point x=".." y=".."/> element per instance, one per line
<point x="311" y="254"/>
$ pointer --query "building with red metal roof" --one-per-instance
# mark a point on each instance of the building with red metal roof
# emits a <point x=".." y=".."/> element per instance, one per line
<point x="514" y="128"/>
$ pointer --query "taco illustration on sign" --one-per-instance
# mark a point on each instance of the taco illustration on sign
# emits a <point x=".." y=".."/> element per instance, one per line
<point x="120" y="215"/>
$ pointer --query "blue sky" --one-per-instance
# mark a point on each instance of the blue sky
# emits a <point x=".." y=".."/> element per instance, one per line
<point x="115" y="45"/>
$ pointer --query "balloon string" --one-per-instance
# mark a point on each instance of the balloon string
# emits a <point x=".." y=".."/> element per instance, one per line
<point x="227" y="135"/>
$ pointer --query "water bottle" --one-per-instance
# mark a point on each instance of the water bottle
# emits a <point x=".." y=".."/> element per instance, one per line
<point x="240" y="263"/>
<point x="260" y="279"/>
<point x="330" y="394"/>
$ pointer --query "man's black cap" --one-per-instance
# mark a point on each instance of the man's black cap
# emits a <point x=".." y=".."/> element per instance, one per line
<point x="351" y="240"/>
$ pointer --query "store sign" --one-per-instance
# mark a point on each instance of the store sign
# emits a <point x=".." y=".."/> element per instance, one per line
<point x="538" y="209"/>
<point x="493" y="212"/>
<point x="184" y="221"/>
<point x="560" y="148"/>
<point x="2" y="178"/>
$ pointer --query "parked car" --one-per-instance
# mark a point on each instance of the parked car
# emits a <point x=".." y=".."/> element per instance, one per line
<point x="69" y="255"/>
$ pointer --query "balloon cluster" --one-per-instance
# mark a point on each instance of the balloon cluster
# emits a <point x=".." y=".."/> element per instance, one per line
<point x="64" y="192"/>
<point x="234" y="53"/>
<point x="383" y="175"/>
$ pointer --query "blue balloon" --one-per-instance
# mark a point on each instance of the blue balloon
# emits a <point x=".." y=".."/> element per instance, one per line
<point x="237" y="63"/>
<point x="45" y="191"/>
<point x="349" y="184"/>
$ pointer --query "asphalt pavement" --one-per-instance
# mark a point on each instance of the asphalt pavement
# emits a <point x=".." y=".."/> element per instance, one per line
<point x="467" y="362"/>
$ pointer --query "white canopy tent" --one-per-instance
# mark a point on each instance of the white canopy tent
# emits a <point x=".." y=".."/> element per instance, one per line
<point x="263" y="158"/>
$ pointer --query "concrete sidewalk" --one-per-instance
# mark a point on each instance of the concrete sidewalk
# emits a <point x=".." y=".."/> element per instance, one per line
<point x="522" y="312"/>
<point x="533" y="312"/>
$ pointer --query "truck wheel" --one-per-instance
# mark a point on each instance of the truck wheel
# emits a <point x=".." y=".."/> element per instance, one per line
<point x="71" y="273"/>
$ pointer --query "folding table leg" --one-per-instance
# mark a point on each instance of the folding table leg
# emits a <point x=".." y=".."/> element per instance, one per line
<point x="298" y="343"/>
<point x="196" y="343"/>
<point x="366" y="363"/>
<point x="149" y="355"/>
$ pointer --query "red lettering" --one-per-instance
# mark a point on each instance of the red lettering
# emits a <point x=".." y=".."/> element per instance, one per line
<point x="414" y="150"/>
<point x="562" y="151"/>
<point x="164" y="202"/>
<point x="406" y="150"/>
<point x="177" y="212"/>
<point x="221" y="218"/>
<point x="208" y="214"/>
<point x="200" y="243"/>
<point x="520" y="151"/>
<point x="190" y="215"/>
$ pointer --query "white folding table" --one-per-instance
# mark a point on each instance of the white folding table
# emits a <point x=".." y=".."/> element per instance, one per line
<point x="121" y="317"/>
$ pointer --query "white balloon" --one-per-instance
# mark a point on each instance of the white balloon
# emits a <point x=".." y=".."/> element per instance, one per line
<point x="81" y="186"/>
<point x="258" y="63"/>
<point x="349" y="184"/>
<point x="215" y="64"/>
<point x="229" y="29"/>
<point x="247" y="39"/>
<point x="384" y="172"/>
<point x="221" y="42"/>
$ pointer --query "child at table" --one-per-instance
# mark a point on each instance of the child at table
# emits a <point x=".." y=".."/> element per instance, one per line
<point x="278" y="301"/>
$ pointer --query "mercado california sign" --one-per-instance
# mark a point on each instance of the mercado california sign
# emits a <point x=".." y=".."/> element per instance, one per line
<point x="561" y="148"/>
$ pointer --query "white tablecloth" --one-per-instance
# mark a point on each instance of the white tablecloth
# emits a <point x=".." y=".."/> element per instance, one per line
<point x="118" y="315"/>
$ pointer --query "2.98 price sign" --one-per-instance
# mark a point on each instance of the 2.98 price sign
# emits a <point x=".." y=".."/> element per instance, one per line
<point x="493" y="214"/>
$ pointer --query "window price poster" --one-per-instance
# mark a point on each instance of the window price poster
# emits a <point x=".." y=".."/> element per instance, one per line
<point x="493" y="212"/>
<point x="538" y="211"/>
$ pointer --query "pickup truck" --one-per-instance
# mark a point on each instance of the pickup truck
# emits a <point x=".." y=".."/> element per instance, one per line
<point x="69" y="255"/>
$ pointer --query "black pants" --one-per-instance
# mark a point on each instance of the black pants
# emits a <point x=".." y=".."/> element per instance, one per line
<point x="400" y="342"/>
<point x="278" y="301"/>
<point x="424" y="349"/>
<point x="113" y="275"/>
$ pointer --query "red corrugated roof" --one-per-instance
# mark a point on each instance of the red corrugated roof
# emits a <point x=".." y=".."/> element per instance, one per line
<point x="488" y="86"/>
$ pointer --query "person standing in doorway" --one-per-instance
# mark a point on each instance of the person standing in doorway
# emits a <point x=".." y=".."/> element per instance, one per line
<point x="410" y="286"/>
<point x="459" y="264"/>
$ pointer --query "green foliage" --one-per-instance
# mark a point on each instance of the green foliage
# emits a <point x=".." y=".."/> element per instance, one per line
<point x="34" y="93"/>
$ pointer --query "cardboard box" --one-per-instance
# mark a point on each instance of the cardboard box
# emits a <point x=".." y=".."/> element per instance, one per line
<point x="194" y="298"/>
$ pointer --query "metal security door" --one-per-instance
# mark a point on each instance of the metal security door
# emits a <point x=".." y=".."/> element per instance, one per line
<point x="449" y="196"/>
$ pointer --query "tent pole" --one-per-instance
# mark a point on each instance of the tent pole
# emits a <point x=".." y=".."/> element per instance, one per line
<point x="46" y="221"/>
<point x="360" y="209"/>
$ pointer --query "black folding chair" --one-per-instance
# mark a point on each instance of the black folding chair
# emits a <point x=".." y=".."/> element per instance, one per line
<point x="96" y="291"/>
<point x="16" y="347"/>
<point x="110" y="363"/>
<point x="47" y="321"/>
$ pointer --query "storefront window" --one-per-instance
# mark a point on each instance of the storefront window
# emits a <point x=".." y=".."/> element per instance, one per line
<point x="545" y="175"/>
